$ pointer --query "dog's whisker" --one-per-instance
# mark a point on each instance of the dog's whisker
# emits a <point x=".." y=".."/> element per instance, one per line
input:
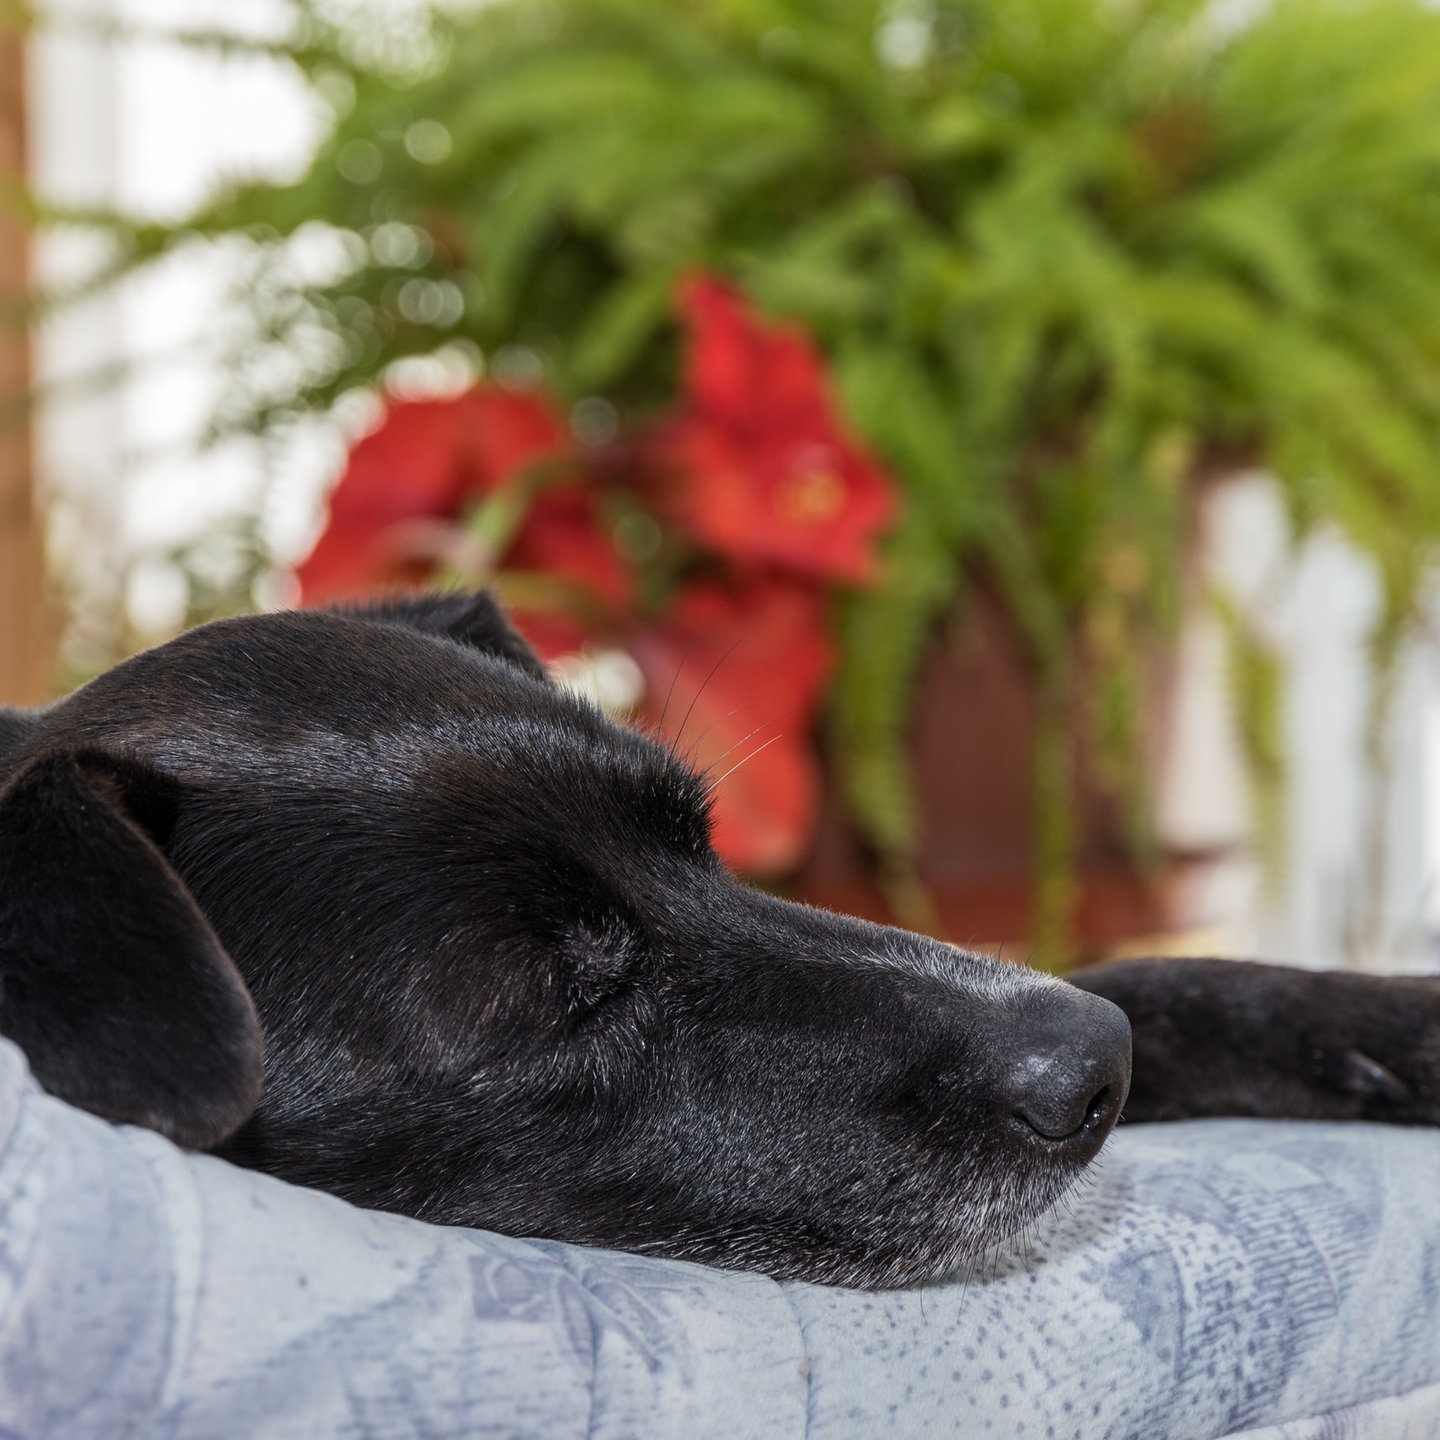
<point x="694" y="749"/>
<point x="670" y="693"/>
<point x="749" y="735"/>
<point x="695" y="699"/>
<point x="716" y="784"/>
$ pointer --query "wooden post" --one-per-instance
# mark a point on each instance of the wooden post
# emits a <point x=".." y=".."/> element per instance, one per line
<point x="27" y="661"/>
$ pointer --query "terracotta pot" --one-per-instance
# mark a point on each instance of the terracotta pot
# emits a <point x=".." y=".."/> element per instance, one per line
<point x="972" y="747"/>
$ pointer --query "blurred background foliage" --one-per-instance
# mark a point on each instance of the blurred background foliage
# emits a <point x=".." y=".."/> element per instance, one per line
<point x="1067" y="260"/>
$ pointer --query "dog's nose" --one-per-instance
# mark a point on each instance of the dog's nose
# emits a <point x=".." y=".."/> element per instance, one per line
<point x="1065" y="1066"/>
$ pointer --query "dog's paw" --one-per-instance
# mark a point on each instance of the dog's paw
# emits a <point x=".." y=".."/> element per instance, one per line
<point x="1222" y="1037"/>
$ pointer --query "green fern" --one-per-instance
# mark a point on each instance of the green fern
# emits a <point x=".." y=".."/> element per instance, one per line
<point x="1062" y="254"/>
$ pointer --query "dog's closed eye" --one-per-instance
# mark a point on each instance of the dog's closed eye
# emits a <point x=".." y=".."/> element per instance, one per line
<point x="602" y="959"/>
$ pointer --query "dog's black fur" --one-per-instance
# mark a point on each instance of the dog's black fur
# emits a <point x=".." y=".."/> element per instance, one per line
<point x="498" y="976"/>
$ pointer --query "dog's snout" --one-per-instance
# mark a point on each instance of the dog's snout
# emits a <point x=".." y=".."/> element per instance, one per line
<point x="1066" y="1067"/>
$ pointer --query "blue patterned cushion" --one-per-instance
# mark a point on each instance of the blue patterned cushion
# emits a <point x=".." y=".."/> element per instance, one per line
<point x="1280" y="1282"/>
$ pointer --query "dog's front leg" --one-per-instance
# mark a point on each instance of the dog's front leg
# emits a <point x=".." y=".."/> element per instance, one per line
<point x="1225" y="1037"/>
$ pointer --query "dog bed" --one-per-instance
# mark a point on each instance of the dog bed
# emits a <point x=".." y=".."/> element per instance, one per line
<point x="1213" y="1278"/>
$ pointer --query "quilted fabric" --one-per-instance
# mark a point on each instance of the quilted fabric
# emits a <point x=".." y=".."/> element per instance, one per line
<point x="1270" y="1281"/>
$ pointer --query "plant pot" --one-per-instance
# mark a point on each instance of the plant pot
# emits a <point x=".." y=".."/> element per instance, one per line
<point x="972" y="749"/>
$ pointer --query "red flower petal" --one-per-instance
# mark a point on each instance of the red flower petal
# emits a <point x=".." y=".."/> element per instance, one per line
<point x="552" y="634"/>
<point x="767" y="470"/>
<point x="422" y="462"/>
<point x="743" y="672"/>
<point x="564" y="535"/>
<point x="742" y="373"/>
<point x="505" y="433"/>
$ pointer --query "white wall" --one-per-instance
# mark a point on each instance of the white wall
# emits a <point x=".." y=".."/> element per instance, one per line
<point x="151" y="128"/>
<point x="1362" y="851"/>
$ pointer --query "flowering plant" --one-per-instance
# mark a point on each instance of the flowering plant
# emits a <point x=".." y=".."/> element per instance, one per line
<point x="703" y="549"/>
<point x="1063" y="258"/>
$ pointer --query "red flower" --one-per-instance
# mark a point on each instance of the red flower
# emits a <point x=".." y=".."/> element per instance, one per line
<point x="564" y="535"/>
<point x="768" y="472"/>
<point x="392" y="515"/>
<point x="734" y="679"/>
<point x="765" y="472"/>
<point x="553" y="633"/>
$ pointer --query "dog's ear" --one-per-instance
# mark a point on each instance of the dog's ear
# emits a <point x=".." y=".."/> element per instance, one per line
<point x="475" y="619"/>
<point x="111" y="980"/>
<point x="15" y="726"/>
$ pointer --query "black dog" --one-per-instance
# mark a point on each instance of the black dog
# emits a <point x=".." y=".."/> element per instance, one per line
<point x="499" y="977"/>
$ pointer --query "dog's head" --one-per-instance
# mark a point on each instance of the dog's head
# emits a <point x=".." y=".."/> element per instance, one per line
<point x="502" y="978"/>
